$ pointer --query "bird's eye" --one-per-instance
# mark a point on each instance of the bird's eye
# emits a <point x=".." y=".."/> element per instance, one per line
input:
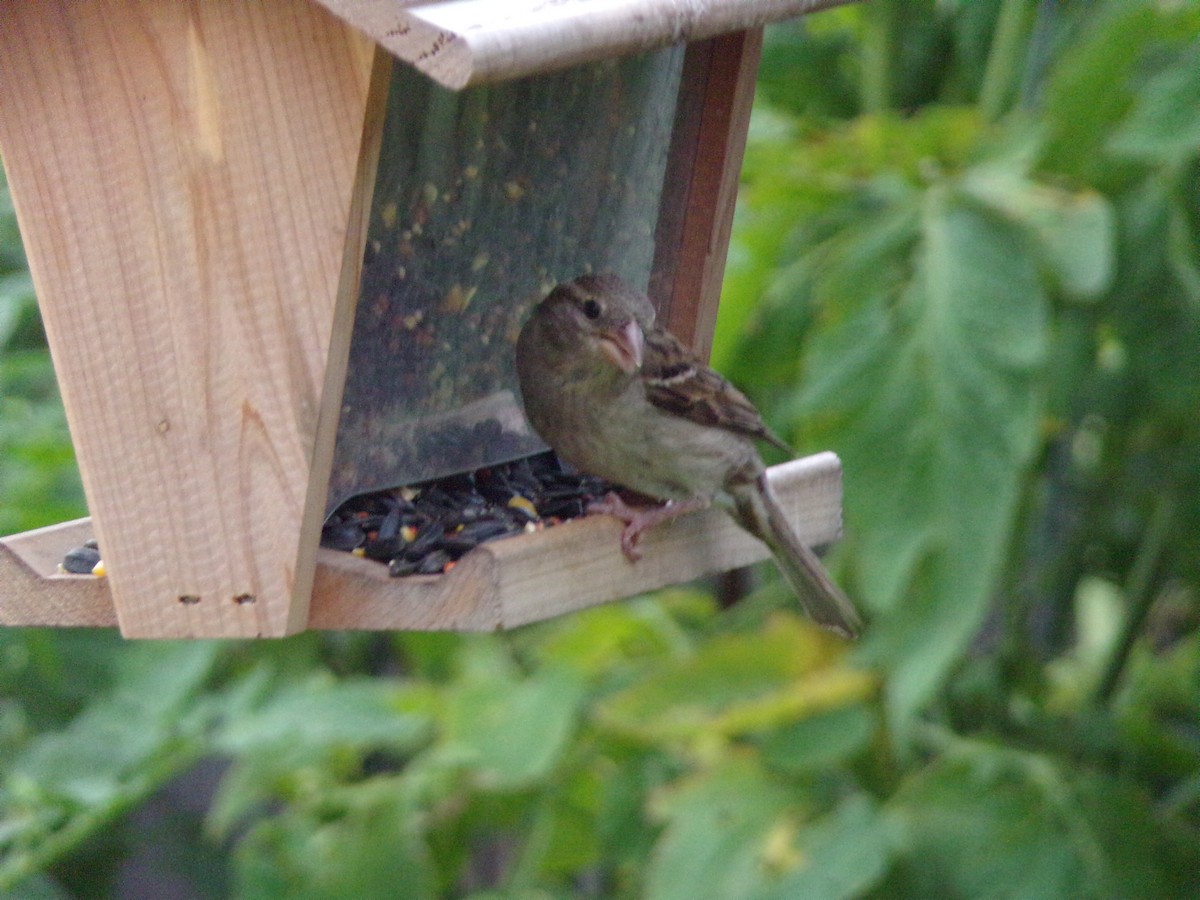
<point x="591" y="309"/>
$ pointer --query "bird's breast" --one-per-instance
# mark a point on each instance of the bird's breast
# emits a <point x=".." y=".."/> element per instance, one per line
<point x="620" y="436"/>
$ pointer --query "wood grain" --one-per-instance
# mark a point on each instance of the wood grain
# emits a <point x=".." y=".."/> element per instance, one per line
<point x="468" y="42"/>
<point x="32" y="595"/>
<point x="183" y="175"/>
<point x="498" y="585"/>
<point x="700" y="193"/>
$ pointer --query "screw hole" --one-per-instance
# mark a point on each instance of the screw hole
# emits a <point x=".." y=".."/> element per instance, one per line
<point x="243" y="599"/>
<point x="189" y="599"/>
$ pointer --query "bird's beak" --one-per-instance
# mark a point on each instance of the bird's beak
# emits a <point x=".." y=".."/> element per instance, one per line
<point x="623" y="346"/>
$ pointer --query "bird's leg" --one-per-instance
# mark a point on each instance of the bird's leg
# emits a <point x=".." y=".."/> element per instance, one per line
<point x="639" y="518"/>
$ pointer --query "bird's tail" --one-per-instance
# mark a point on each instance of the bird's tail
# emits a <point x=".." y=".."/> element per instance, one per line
<point x="759" y="513"/>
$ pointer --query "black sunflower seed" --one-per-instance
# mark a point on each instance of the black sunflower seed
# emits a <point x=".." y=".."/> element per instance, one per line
<point x="81" y="560"/>
<point x="424" y="527"/>
<point x="401" y="566"/>
<point x="433" y="563"/>
<point x="342" y="536"/>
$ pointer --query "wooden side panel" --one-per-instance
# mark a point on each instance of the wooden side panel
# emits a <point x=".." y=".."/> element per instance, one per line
<point x="183" y="175"/>
<point x="692" y="239"/>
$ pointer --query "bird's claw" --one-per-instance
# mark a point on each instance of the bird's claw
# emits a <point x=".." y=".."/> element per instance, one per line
<point x="638" y="519"/>
<point x="635" y="521"/>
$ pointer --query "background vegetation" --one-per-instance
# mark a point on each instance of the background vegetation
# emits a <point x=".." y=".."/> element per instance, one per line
<point x="968" y="259"/>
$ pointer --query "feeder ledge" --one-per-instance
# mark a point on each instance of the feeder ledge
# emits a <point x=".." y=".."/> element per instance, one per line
<point x="498" y="585"/>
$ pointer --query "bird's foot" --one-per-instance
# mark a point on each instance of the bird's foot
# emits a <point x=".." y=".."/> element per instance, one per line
<point x="640" y="518"/>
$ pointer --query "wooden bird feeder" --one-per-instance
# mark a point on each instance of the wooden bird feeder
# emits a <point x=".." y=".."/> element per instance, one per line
<point x="226" y="206"/>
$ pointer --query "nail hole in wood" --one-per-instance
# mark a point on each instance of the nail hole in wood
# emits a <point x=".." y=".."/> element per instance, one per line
<point x="189" y="599"/>
<point x="243" y="599"/>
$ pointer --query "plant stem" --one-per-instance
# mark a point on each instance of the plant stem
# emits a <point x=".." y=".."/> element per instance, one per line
<point x="1008" y="52"/>
<point x="881" y="26"/>
<point x="80" y="826"/>
<point x="1141" y="591"/>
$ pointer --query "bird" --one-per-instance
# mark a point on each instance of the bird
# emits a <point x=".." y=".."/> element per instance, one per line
<point x="617" y="396"/>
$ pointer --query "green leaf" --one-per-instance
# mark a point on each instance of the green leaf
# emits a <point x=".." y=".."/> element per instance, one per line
<point x="1091" y="87"/>
<point x="119" y="737"/>
<point x="321" y="714"/>
<point x="38" y="887"/>
<point x="844" y="854"/>
<point x="718" y="834"/>
<point x="927" y="386"/>
<point x="1183" y="239"/>
<point x="511" y="733"/>
<point x="819" y="742"/>
<point x="372" y="849"/>
<point x="954" y="819"/>
<point x="563" y="836"/>
<point x="1159" y="331"/>
<point x="12" y="253"/>
<point x="1164" y="123"/>
<point x="1062" y="834"/>
<point x="805" y="69"/>
<point x="614" y="637"/>
<point x="307" y="736"/>
<point x="16" y="299"/>
<point x="1074" y="232"/>
<point x="1143" y="852"/>
<point x="735" y="832"/>
<point x="1073" y="676"/>
<point x="68" y="785"/>
<point x="737" y="684"/>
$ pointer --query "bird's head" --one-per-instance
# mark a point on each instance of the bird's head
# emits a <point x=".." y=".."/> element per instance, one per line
<point x="597" y="315"/>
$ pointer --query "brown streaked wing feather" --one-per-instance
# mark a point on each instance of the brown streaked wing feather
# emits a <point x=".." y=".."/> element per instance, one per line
<point x="679" y="383"/>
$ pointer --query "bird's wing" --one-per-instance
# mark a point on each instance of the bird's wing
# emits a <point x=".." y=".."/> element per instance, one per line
<point x="679" y="383"/>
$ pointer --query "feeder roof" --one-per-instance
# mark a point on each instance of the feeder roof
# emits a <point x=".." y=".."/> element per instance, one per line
<point x="463" y="42"/>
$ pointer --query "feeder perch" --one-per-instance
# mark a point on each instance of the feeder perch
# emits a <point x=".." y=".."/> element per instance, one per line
<point x="276" y="267"/>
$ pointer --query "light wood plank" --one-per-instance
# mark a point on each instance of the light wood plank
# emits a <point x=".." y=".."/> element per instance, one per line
<point x="472" y="41"/>
<point x="498" y="585"/>
<point x="183" y="176"/>
<point x="587" y="566"/>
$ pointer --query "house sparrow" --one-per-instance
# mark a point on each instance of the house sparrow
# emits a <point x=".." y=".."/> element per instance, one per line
<point x="618" y="397"/>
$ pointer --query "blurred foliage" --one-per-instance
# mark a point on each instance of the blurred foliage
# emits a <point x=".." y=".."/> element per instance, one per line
<point x="967" y="257"/>
<point x="39" y="484"/>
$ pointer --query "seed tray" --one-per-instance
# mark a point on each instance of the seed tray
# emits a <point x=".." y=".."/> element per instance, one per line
<point x="499" y="584"/>
<point x="425" y="529"/>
